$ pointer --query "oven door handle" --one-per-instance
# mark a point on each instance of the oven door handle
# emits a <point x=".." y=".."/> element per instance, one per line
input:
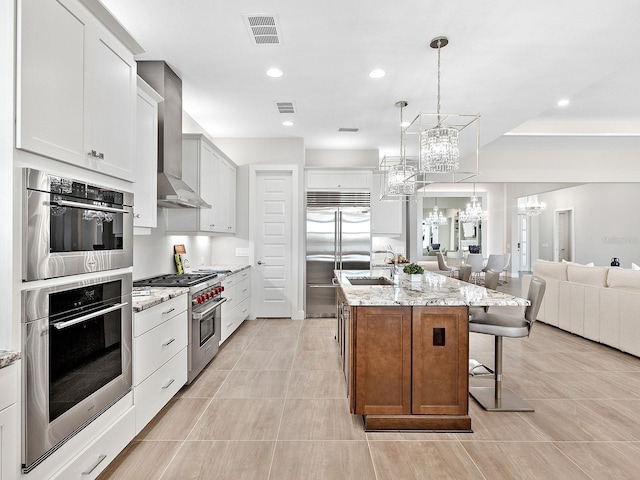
<point x="201" y="315"/>
<point x="87" y="206"/>
<point x="84" y="318"/>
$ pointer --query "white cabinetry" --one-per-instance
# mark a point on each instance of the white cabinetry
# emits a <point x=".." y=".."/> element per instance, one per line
<point x="76" y="87"/>
<point x="237" y="291"/>
<point x="207" y="170"/>
<point x="386" y="215"/>
<point x="145" y="188"/>
<point x="337" y="180"/>
<point x="159" y="357"/>
<point x="9" y="462"/>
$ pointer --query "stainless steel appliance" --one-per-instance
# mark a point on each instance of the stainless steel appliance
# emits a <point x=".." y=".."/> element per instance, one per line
<point x="73" y="227"/>
<point x="338" y="232"/>
<point x="77" y="359"/>
<point x="204" y="314"/>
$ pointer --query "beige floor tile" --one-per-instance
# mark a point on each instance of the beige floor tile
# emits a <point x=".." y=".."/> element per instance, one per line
<point x="175" y="420"/>
<point x="320" y="419"/>
<point x="141" y="460"/>
<point x="265" y="360"/>
<point x="621" y="414"/>
<point x="630" y="380"/>
<point x="317" y="384"/>
<point x="239" y="419"/>
<point x="316" y="343"/>
<point x="320" y="322"/>
<point x="270" y="322"/>
<point x="254" y="384"/>
<point x="326" y="460"/>
<point x="324" y="331"/>
<point x="604" y="459"/>
<point x="522" y="460"/>
<point x="280" y="329"/>
<point x="423" y="460"/>
<point x="529" y="385"/>
<point x="238" y="342"/>
<point x="221" y="460"/>
<point x="407" y="435"/>
<point x="205" y="385"/>
<point x="588" y="385"/>
<point x="225" y="359"/>
<point x="317" y="360"/>
<point x="273" y="344"/>
<point x="508" y="426"/>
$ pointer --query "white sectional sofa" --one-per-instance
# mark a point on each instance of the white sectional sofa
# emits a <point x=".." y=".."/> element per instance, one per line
<point x="598" y="303"/>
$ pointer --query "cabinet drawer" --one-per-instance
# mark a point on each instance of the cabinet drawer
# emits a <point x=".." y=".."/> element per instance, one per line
<point x="147" y="319"/>
<point x="157" y="346"/>
<point x="155" y="392"/>
<point x="234" y="318"/>
<point x="95" y="458"/>
<point x="236" y="294"/>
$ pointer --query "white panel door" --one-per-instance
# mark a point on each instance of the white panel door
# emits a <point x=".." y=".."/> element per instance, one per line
<point x="273" y="242"/>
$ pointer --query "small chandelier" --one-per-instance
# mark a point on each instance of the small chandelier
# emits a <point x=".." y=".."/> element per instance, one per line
<point x="439" y="150"/>
<point x="436" y="218"/>
<point x="401" y="177"/>
<point x="473" y="213"/>
<point x="533" y="207"/>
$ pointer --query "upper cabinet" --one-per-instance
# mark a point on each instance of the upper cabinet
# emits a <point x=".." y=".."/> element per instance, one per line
<point x="76" y="86"/>
<point x="145" y="189"/>
<point x="208" y="171"/>
<point x="337" y="180"/>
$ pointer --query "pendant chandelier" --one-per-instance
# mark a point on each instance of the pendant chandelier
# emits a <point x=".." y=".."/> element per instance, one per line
<point x="473" y="213"/>
<point x="439" y="150"/>
<point x="436" y="218"/>
<point x="533" y="207"/>
<point x="400" y="175"/>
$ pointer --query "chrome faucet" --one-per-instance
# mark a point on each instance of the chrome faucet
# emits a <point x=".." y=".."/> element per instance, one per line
<point x="394" y="255"/>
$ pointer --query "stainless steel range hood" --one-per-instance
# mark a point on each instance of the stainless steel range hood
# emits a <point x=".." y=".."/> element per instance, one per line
<point x="172" y="191"/>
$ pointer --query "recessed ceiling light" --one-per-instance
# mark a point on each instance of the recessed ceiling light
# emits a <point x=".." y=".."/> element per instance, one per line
<point x="288" y="123"/>
<point x="274" y="72"/>
<point x="377" y="73"/>
<point x="563" y="103"/>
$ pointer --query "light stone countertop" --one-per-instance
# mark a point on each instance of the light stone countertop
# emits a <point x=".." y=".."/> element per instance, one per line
<point x="219" y="268"/>
<point x="8" y="358"/>
<point x="434" y="290"/>
<point x="156" y="297"/>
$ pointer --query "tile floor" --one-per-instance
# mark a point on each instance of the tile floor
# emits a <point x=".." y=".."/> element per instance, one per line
<point x="272" y="406"/>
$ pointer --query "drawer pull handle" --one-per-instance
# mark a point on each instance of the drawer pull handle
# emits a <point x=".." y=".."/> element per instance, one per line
<point x="95" y="465"/>
<point x="245" y="290"/>
<point x="229" y="324"/>
<point x="169" y="384"/>
<point x="168" y="311"/>
<point x="169" y="342"/>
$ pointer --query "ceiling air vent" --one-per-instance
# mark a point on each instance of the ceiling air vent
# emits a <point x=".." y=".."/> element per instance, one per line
<point x="263" y="28"/>
<point x="285" y="107"/>
<point x="350" y="130"/>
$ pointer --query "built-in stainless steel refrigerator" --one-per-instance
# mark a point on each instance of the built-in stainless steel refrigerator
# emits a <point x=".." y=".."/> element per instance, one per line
<point x="338" y="233"/>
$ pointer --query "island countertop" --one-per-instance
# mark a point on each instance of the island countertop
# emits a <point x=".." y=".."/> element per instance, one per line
<point x="434" y="290"/>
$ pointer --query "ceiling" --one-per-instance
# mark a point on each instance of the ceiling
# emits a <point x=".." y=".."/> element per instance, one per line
<point x="509" y="61"/>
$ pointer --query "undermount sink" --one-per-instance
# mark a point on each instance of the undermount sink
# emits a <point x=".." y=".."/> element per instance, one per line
<point x="370" y="281"/>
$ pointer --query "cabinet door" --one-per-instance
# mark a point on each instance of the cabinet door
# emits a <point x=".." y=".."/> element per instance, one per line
<point x="145" y="167"/>
<point x="226" y="195"/>
<point x="208" y="181"/>
<point x="50" y="80"/>
<point x="440" y="360"/>
<point x="383" y="360"/>
<point x="386" y="215"/>
<point x="9" y="439"/>
<point x="338" y="180"/>
<point x="110" y="102"/>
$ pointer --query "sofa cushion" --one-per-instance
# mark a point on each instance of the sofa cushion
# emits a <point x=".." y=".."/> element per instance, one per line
<point x="624" y="279"/>
<point x="590" y="264"/>
<point x="596" y="276"/>
<point x="546" y="270"/>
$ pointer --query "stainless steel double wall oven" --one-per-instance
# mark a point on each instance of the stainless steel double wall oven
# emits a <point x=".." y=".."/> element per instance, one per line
<point x="76" y="330"/>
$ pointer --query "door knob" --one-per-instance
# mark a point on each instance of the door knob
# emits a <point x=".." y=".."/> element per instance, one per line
<point x="260" y="262"/>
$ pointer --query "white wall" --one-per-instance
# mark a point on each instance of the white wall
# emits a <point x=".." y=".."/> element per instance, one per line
<point x="342" y="158"/>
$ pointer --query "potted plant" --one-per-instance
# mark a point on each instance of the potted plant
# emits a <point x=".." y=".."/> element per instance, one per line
<point x="414" y="271"/>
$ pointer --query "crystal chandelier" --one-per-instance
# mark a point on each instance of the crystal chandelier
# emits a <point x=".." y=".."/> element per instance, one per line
<point x="436" y="218"/>
<point x="473" y="213"/>
<point x="401" y="177"/>
<point x="533" y="207"/>
<point x="439" y="150"/>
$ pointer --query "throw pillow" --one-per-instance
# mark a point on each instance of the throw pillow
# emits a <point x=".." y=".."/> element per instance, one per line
<point x="634" y="266"/>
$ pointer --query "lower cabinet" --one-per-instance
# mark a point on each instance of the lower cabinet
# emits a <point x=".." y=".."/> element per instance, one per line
<point x="9" y="461"/>
<point x="159" y="357"/>
<point x="237" y="291"/>
<point x="409" y="367"/>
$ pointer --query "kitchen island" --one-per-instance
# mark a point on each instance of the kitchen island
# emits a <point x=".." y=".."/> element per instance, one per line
<point x="405" y="348"/>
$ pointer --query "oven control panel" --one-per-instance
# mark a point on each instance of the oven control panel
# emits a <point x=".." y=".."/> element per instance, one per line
<point x="203" y="296"/>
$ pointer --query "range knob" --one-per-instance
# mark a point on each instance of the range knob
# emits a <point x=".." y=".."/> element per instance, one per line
<point x="200" y="299"/>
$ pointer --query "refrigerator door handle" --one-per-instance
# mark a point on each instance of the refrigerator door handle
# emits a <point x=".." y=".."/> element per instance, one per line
<point x="336" y="235"/>
<point x="332" y="285"/>
<point x="340" y="238"/>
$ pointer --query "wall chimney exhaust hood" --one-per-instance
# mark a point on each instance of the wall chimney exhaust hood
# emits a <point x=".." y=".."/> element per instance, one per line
<point x="172" y="191"/>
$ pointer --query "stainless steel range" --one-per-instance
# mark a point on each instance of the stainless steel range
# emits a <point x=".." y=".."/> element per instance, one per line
<point x="204" y="313"/>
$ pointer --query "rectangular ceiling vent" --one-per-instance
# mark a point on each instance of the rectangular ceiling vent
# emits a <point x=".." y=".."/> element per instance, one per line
<point x="285" y="107"/>
<point x="263" y="29"/>
<point x="350" y="130"/>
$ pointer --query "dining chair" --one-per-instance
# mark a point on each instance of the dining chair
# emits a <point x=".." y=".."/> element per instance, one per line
<point x="495" y="262"/>
<point x="442" y="265"/>
<point x="476" y="261"/>
<point x="505" y="268"/>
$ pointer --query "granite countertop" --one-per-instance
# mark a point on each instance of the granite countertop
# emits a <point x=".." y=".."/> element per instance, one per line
<point x="157" y="295"/>
<point x="434" y="290"/>
<point x="221" y="268"/>
<point x="8" y="357"/>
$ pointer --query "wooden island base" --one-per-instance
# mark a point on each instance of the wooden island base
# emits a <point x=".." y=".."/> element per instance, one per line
<point x="436" y="423"/>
